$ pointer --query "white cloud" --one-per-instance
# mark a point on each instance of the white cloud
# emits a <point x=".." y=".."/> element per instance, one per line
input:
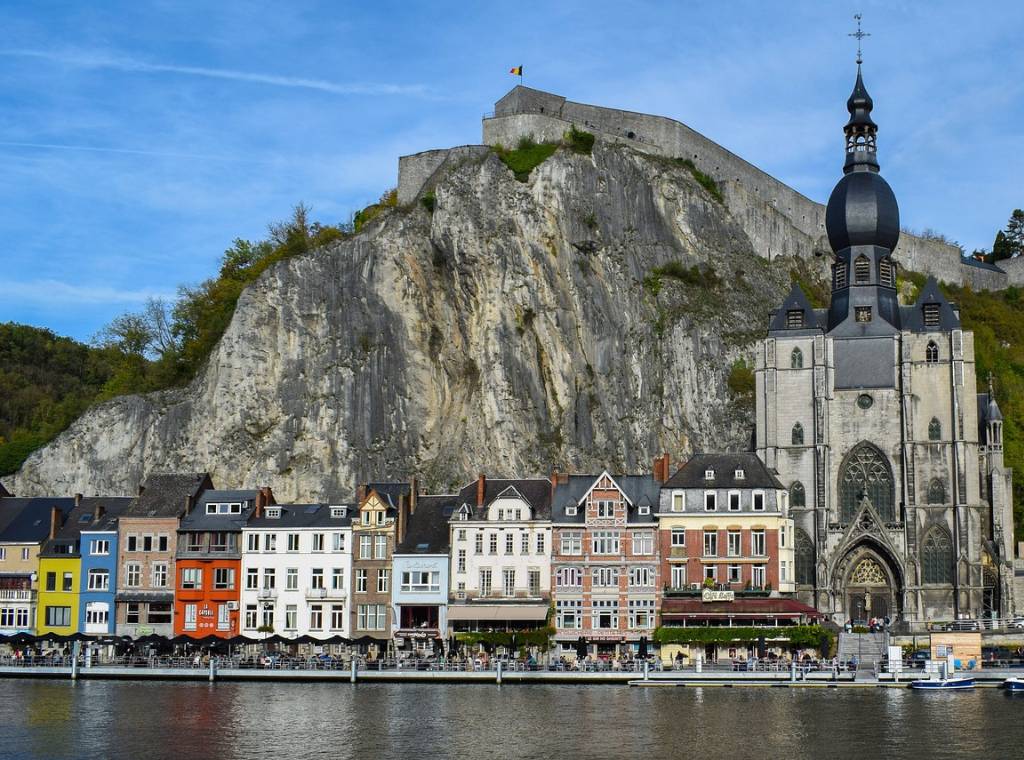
<point x="55" y="292"/>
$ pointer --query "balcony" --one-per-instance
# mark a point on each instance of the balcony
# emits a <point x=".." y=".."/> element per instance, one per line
<point x="16" y="595"/>
<point x="326" y="593"/>
<point x="267" y="593"/>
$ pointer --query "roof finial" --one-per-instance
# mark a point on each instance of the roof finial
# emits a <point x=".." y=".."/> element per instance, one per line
<point x="860" y="34"/>
<point x="991" y="391"/>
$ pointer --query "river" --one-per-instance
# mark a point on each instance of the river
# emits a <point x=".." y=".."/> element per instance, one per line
<point x="110" y="719"/>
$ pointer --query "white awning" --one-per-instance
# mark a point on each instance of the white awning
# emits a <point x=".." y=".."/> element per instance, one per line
<point x="486" y="612"/>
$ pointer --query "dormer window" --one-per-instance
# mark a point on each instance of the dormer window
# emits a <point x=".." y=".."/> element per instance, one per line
<point x="709" y="474"/>
<point x="795" y="319"/>
<point x="570" y="511"/>
<point x="931" y="315"/>
<point x="273" y="512"/>
<point x="739" y="474"/>
<point x="337" y="512"/>
<point x="366" y="517"/>
<point x="380" y="517"/>
<point x="644" y="509"/>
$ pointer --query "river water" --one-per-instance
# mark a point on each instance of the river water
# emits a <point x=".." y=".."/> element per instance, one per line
<point x="109" y="719"/>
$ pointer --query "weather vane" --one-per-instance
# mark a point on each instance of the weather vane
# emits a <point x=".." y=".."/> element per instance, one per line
<point x="860" y="34"/>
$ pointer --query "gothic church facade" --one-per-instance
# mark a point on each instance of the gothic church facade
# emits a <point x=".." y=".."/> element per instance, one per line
<point x="869" y="413"/>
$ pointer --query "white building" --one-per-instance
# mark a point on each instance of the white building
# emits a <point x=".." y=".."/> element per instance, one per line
<point x="419" y="595"/>
<point x="296" y="570"/>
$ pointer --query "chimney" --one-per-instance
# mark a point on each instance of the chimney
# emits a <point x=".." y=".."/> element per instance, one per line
<point x="97" y="513"/>
<point x="263" y="498"/>
<point x="189" y="503"/>
<point x="661" y="467"/>
<point x="402" y="523"/>
<point x="554" y="485"/>
<point x="78" y="499"/>
<point x="413" y="489"/>
<point x="361" y="493"/>
<point x="56" y="520"/>
<point x="481" y="488"/>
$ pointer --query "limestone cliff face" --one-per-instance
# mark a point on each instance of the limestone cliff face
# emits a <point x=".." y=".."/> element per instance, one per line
<point x="516" y="329"/>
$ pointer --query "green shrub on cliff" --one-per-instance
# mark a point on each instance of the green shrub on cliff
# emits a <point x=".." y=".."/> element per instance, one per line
<point x="527" y="156"/>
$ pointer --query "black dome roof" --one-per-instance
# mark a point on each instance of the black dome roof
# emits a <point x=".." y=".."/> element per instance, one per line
<point x="862" y="210"/>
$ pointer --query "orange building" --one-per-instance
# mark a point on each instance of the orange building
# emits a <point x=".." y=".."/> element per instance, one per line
<point x="209" y="562"/>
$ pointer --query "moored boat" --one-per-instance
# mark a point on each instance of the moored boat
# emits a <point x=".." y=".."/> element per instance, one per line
<point x="943" y="684"/>
<point x="1014" y="684"/>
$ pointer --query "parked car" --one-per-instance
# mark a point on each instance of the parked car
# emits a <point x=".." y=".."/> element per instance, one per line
<point x="917" y="659"/>
<point x="963" y="625"/>
<point x="1018" y="623"/>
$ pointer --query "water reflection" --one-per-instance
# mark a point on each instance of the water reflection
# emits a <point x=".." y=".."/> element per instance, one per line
<point x="57" y="719"/>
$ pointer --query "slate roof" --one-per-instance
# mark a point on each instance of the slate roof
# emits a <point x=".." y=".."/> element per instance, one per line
<point x="796" y="301"/>
<point x="988" y="410"/>
<point x="197" y="521"/>
<point x="970" y="261"/>
<point x="725" y="464"/>
<point x="535" y="491"/>
<point x="640" y="490"/>
<point x="304" y="516"/>
<point x="27" y="520"/>
<point x="912" y="317"/>
<point x="80" y="519"/>
<point x="164" y="494"/>
<point x="427" y="531"/>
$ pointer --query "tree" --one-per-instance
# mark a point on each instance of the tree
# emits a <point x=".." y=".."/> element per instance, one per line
<point x="1010" y="242"/>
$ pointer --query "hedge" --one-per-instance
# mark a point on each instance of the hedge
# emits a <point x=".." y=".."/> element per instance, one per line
<point x="797" y="635"/>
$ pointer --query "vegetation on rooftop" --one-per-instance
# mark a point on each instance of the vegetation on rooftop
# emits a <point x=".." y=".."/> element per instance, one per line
<point x="526" y="157"/>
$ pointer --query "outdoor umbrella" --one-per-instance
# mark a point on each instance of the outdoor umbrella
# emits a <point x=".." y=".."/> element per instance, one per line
<point x="240" y="641"/>
<point x="306" y="639"/>
<point x="642" y="649"/>
<point x="275" y="639"/>
<point x="22" y="639"/>
<point x="336" y="639"/>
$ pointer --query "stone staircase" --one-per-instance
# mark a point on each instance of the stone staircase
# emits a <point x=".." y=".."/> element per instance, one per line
<point x="870" y="649"/>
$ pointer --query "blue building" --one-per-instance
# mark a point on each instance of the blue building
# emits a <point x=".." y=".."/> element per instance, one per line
<point x="419" y="595"/>
<point x="99" y="570"/>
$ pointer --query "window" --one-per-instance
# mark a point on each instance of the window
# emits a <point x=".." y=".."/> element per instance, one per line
<point x="96" y="547"/>
<point x="862" y="313"/>
<point x="361" y="576"/>
<point x="51" y="581"/>
<point x="163" y="542"/>
<point x="337" y="617"/>
<point x="268" y="616"/>
<point x="605" y="613"/>
<point x="68" y="582"/>
<point x="160" y="612"/>
<point x="190" y="617"/>
<point x="710" y="501"/>
<point x="223" y="578"/>
<point x="131" y="612"/>
<point x="839" y="276"/>
<point x="935" y="430"/>
<point x="861" y="270"/>
<point x="709" y="474"/>
<point x="936" y="492"/>
<point x="524" y="543"/>
<point x="383" y="579"/>
<point x="485" y="581"/>
<point x="758" y="501"/>
<point x="191" y="578"/>
<point x="797" y="495"/>
<point x="250" y="616"/>
<point x="318" y="542"/>
<point x="97" y="614"/>
<point x="569" y="613"/>
<point x="677" y="502"/>
<point x="571" y="543"/>
<point x="510" y="540"/>
<point x="269" y="578"/>
<point x="58" y="617"/>
<point x="132" y="543"/>
<point x="757" y="576"/>
<point x="541" y="543"/>
<point x="795" y="319"/>
<point x="222" y="542"/>
<point x="421" y="581"/>
<point x="734" y="501"/>
<point x="643" y="543"/>
<point x="641" y="613"/>
<point x="885" y="273"/>
<point x="293" y="542"/>
<point x="380" y="517"/>
<point x="605" y="577"/>
<point x="493" y="544"/>
<point x="24" y="553"/>
<point x="804" y="559"/>
<point x="316" y="578"/>
<point x="710" y="543"/>
<point x="865" y="470"/>
<point x="270" y="542"/>
<point x="478" y="543"/>
<point x="605" y="508"/>
<point x="133" y="575"/>
<point x="757" y="543"/>
<point x="570" y="510"/>
<point x="641" y="577"/>
<point x="739" y="474"/>
<point x="460" y="534"/>
<point x="797" y="436"/>
<point x="291" y="579"/>
<point x="678" y="576"/>
<point x="380" y="547"/>
<point x="534" y="582"/>
<point x="569" y="577"/>
<point x="508" y="581"/>
<point x="337" y="579"/>
<point x="605" y="542"/>
<point x="931" y="319"/>
<point x="782" y="536"/>
<point x="338" y="542"/>
<point x="733" y="546"/>
<point x="783" y="572"/>
<point x="366" y="517"/>
<point x="316" y="617"/>
<point x="365" y="547"/>
<point x="796" y="359"/>
<point x="679" y="537"/>
<point x="252" y="542"/>
<point x="734" y="573"/>
<point x="223" y="618"/>
<point x="460" y="563"/>
<point x="291" y="617"/>
<point x="160" y="574"/>
<point x="252" y="578"/>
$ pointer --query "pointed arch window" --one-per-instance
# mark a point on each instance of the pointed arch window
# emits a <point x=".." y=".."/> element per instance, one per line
<point x="804" y="559"/>
<point x="935" y="430"/>
<point x="798" y="435"/>
<point x="796" y="359"/>
<point x="865" y="472"/>
<point x="937" y="557"/>
<point x="936" y="492"/>
<point x="797" y="495"/>
<point x="861" y="270"/>
<point x="931" y="353"/>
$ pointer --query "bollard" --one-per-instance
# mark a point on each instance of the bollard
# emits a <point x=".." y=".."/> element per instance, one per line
<point x="792" y="672"/>
<point x="213" y="670"/>
<point x="647" y="666"/>
<point x="352" y="677"/>
<point x="74" y="660"/>
<point x="498" y="672"/>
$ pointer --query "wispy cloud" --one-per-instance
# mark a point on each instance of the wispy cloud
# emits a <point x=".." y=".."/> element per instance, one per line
<point x="100" y="60"/>
<point x="53" y="292"/>
<point x="125" y="151"/>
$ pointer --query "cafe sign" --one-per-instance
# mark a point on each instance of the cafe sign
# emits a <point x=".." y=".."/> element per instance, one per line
<point x="711" y="595"/>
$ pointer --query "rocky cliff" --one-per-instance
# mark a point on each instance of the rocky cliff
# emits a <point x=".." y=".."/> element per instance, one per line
<point x="587" y="317"/>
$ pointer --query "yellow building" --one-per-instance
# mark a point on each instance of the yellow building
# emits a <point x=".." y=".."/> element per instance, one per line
<point x="59" y="588"/>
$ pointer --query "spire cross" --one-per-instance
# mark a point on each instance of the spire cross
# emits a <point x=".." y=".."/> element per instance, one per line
<point x="860" y="34"/>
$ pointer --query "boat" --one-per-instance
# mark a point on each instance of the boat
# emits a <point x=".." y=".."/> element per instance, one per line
<point x="943" y="684"/>
<point x="1014" y="684"/>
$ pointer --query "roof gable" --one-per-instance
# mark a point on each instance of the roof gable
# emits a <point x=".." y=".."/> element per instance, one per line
<point x="795" y="301"/>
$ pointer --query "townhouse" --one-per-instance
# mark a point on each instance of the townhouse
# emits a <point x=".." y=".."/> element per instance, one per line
<point x="24" y="525"/>
<point x="147" y="541"/>
<point x="296" y="565"/>
<point x="60" y="609"/>
<point x="605" y="561"/>
<point x="209" y="562"/>
<point x="419" y="596"/>
<point x="383" y="511"/>
<point x="99" y="573"/>
<point x="500" y="537"/>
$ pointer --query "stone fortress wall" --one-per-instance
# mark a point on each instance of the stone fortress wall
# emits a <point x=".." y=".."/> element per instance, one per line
<point x="779" y="220"/>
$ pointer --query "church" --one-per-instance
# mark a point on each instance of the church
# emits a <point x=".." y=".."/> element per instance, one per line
<point x="869" y="413"/>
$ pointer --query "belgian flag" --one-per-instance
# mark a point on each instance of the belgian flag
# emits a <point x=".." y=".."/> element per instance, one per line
<point x="517" y="70"/>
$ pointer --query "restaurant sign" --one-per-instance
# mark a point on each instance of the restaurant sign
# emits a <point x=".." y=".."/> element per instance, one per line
<point x="711" y="595"/>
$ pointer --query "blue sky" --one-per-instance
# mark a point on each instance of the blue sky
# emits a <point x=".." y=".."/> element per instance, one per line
<point x="137" y="140"/>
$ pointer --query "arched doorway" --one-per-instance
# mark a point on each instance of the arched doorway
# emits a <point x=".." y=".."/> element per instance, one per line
<point x="870" y="586"/>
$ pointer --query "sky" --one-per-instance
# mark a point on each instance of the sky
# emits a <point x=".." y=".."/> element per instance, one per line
<point x="139" y="139"/>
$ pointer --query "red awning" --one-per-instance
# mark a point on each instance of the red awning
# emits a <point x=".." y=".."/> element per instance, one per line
<point x="694" y="607"/>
